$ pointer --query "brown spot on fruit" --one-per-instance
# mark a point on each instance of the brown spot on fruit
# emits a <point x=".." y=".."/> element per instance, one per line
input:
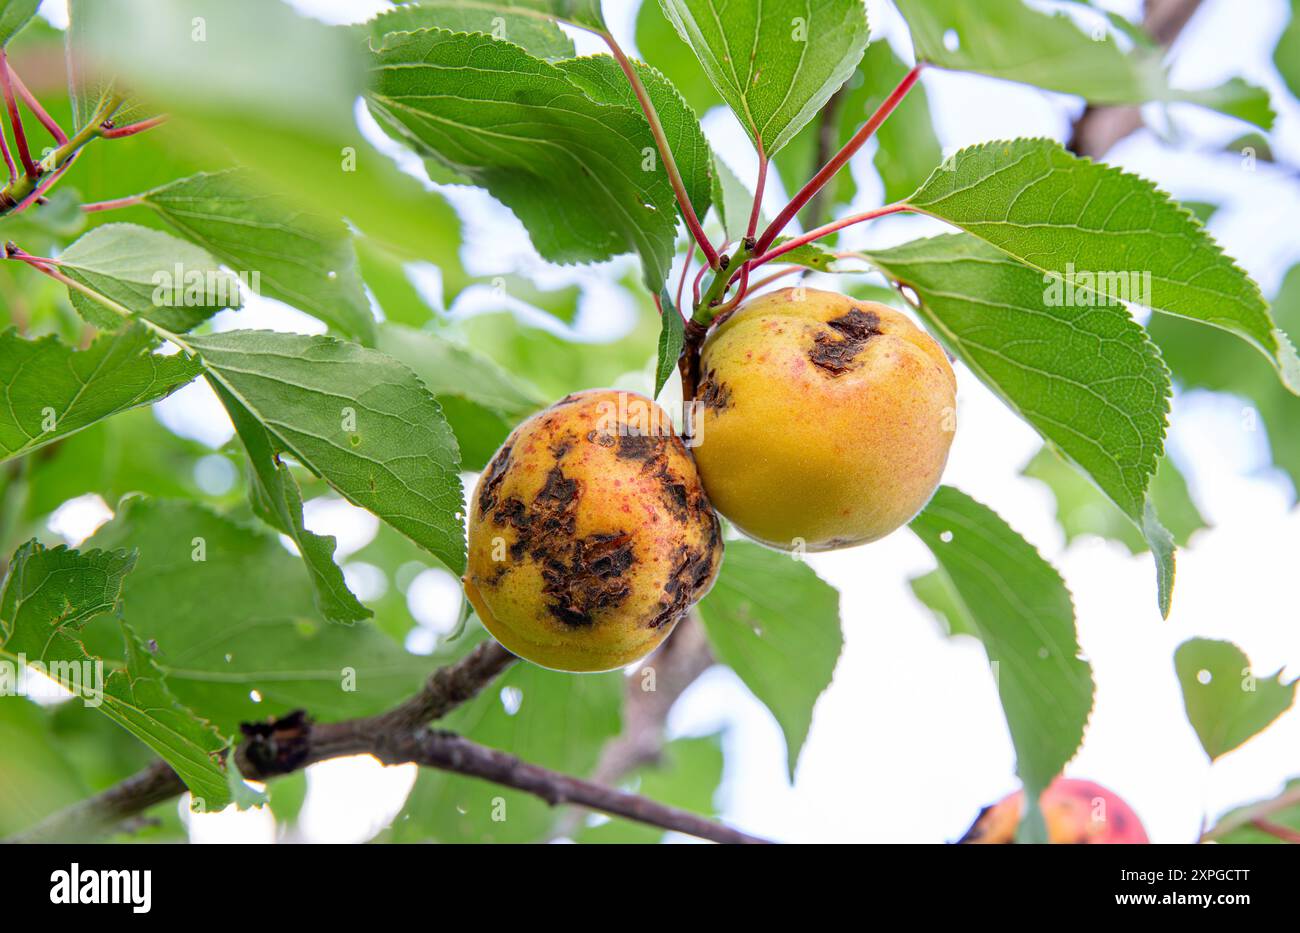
<point x="836" y="354"/>
<point x="713" y="394"/>
<point x="858" y="325"/>
<point x="491" y="480"/>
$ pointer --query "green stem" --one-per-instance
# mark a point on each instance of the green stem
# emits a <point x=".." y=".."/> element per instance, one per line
<point x="707" y="309"/>
<point x="45" y="266"/>
<point x="18" y="191"/>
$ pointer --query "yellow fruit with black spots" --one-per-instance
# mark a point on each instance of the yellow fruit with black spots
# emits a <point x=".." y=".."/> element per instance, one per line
<point x="826" y="421"/>
<point x="590" y="534"/>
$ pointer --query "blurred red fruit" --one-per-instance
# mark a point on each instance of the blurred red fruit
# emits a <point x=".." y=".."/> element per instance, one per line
<point x="1075" y="811"/>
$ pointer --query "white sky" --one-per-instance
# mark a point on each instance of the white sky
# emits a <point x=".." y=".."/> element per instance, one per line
<point x="909" y="741"/>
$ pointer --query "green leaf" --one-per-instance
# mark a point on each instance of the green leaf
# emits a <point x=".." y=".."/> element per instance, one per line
<point x="1008" y="39"/>
<point x="303" y="139"/>
<point x="14" y="15"/>
<point x="481" y="400"/>
<point x="535" y="35"/>
<point x="1238" y="369"/>
<point x="811" y="255"/>
<point x="1079" y="370"/>
<point x="556" y="365"/>
<point x="1088" y="222"/>
<point x="1286" y="56"/>
<point x="385" y="275"/>
<point x="49" y="596"/>
<point x="686" y="775"/>
<point x="659" y="42"/>
<point x="775" y="64"/>
<point x="773" y="621"/>
<point x="355" y="417"/>
<point x="554" y="720"/>
<point x="907" y="149"/>
<point x="1024" y="615"/>
<point x="37" y="776"/>
<point x="233" y="619"/>
<point x="584" y="13"/>
<point x="105" y="459"/>
<point x="154" y="276"/>
<point x="52" y="391"/>
<point x="1081" y="509"/>
<point x="672" y="336"/>
<point x="936" y="593"/>
<point x="302" y="259"/>
<point x="277" y="501"/>
<point x="602" y="80"/>
<point x="734" y="202"/>
<point x="571" y="168"/>
<point x="1226" y="702"/>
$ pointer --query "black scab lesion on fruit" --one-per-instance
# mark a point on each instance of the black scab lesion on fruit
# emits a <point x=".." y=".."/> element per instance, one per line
<point x="691" y="571"/>
<point x="653" y="451"/>
<point x="591" y="580"/>
<point x="496" y="472"/>
<point x="836" y="352"/>
<point x="636" y="446"/>
<point x="579" y="575"/>
<point x="712" y="394"/>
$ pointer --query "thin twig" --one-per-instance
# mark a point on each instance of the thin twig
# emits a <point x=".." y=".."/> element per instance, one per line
<point x="810" y="236"/>
<point x="1099" y="128"/>
<point x="681" y="280"/>
<point x="115" y="204"/>
<point x="51" y="125"/>
<point x="757" y="209"/>
<point x="16" y="119"/>
<point x="399" y="736"/>
<point x="9" y="159"/>
<point x="1277" y="830"/>
<point x="827" y="138"/>
<point x="827" y="171"/>
<point x="449" y="752"/>
<point x="1260" y="811"/>
<point x="121" y="132"/>
<point x="665" y="153"/>
<point x="768" y="280"/>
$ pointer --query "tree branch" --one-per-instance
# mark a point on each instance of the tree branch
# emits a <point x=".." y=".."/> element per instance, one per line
<point x="677" y="665"/>
<point x="1100" y="128"/>
<point x="399" y="736"/>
